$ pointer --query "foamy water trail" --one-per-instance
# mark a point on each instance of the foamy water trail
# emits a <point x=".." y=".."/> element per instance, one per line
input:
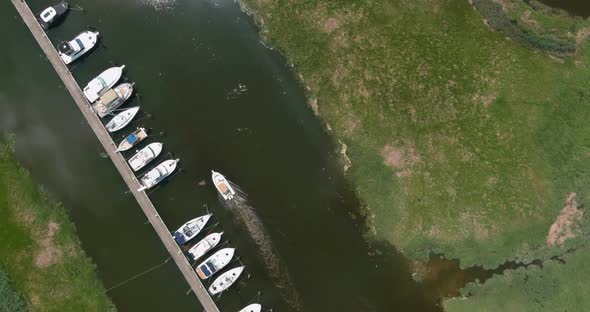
<point x="276" y="270"/>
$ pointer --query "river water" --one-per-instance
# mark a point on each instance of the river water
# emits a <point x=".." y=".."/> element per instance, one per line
<point x="218" y="99"/>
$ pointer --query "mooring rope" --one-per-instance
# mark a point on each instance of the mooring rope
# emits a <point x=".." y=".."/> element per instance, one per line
<point x="140" y="274"/>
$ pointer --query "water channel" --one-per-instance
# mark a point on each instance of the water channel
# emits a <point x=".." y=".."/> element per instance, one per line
<point x="218" y="99"/>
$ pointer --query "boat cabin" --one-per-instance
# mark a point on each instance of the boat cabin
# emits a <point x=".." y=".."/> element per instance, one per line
<point x="108" y="97"/>
<point x="68" y="48"/>
<point x="48" y="15"/>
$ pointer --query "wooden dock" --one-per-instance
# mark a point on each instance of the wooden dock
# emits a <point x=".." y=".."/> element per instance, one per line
<point x="110" y="147"/>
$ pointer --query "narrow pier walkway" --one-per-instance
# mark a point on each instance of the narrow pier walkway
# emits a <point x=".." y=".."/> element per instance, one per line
<point x="108" y="144"/>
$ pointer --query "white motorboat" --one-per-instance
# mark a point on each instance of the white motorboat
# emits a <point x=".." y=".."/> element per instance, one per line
<point x="122" y="119"/>
<point x="225" y="280"/>
<point x="190" y="229"/>
<point x="206" y="244"/>
<point x="102" y="83"/>
<point x="255" y="307"/>
<point x="132" y="139"/>
<point x="215" y="263"/>
<point x="145" y="155"/>
<point x="222" y="186"/>
<point x="112" y="99"/>
<point x="157" y="174"/>
<point x="52" y="15"/>
<point x="72" y="50"/>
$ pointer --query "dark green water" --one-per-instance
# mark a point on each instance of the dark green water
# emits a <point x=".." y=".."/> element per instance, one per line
<point x="186" y="60"/>
<point x="573" y="7"/>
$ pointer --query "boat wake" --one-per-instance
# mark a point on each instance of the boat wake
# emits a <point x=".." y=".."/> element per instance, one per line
<point x="246" y="215"/>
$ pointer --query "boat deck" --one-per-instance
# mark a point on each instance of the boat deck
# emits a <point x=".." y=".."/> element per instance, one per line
<point x="118" y="160"/>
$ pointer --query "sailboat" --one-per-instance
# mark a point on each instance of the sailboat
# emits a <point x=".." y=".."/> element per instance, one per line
<point x="122" y="119"/>
<point x="190" y="229"/>
<point x="102" y="83"/>
<point x="145" y="155"/>
<point x="255" y="307"/>
<point x="71" y="50"/>
<point x="157" y="174"/>
<point x="215" y="263"/>
<point x="206" y="244"/>
<point x="225" y="280"/>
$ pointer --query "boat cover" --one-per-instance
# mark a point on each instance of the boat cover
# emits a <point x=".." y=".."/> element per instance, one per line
<point x="132" y="138"/>
<point x="109" y="97"/>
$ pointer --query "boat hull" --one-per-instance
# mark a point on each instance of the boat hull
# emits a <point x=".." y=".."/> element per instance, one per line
<point x="103" y="82"/>
<point x="190" y="229"/>
<point x="158" y="174"/>
<point x="52" y="15"/>
<point x="222" y="185"/>
<point x="145" y="156"/>
<point x="121" y="92"/>
<point x="255" y="307"/>
<point x="215" y="263"/>
<point x="122" y="119"/>
<point x="84" y="42"/>
<point x="133" y="139"/>
<point x="206" y="244"/>
<point x="225" y="280"/>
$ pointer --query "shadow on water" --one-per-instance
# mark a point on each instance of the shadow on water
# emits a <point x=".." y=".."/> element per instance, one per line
<point x="573" y="7"/>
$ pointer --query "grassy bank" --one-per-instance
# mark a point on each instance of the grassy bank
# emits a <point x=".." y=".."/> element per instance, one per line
<point x="40" y="251"/>
<point x="461" y="140"/>
<point x="10" y="299"/>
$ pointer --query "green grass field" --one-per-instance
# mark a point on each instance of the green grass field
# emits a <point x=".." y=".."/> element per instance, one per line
<point x="461" y="141"/>
<point x="40" y="251"/>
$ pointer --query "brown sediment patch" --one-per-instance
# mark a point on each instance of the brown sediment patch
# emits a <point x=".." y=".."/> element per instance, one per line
<point x="330" y="25"/>
<point x="565" y="226"/>
<point x="49" y="253"/>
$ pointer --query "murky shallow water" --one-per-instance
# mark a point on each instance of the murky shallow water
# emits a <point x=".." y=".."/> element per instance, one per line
<point x="218" y="99"/>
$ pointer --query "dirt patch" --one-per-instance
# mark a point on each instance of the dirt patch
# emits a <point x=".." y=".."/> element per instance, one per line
<point x="49" y="253"/>
<point x="400" y="158"/>
<point x="566" y="226"/>
<point x="527" y="19"/>
<point x="314" y="106"/>
<point x="330" y="25"/>
<point x="345" y="159"/>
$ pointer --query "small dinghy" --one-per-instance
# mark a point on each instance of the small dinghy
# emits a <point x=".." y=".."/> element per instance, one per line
<point x="122" y="119"/>
<point x="72" y="50"/>
<point x="102" y="83"/>
<point x="215" y="263"/>
<point x="255" y="307"/>
<point x="222" y="186"/>
<point x="225" y="280"/>
<point x="159" y="173"/>
<point x="132" y="139"/>
<point x="190" y="229"/>
<point x="52" y="15"/>
<point x="112" y="99"/>
<point x="145" y="155"/>
<point x="206" y="244"/>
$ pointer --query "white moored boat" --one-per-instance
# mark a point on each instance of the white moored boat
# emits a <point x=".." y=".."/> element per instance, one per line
<point x="132" y="139"/>
<point x="122" y="119"/>
<point x="190" y="229"/>
<point x="103" y="82"/>
<point x="112" y="99"/>
<point x="157" y="174"/>
<point x="222" y="186"/>
<point x="72" y="50"/>
<point x="225" y="280"/>
<point x="52" y="15"/>
<point x="255" y="307"/>
<point x="145" y="155"/>
<point x="206" y="244"/>
<point x="215" y="263"/>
